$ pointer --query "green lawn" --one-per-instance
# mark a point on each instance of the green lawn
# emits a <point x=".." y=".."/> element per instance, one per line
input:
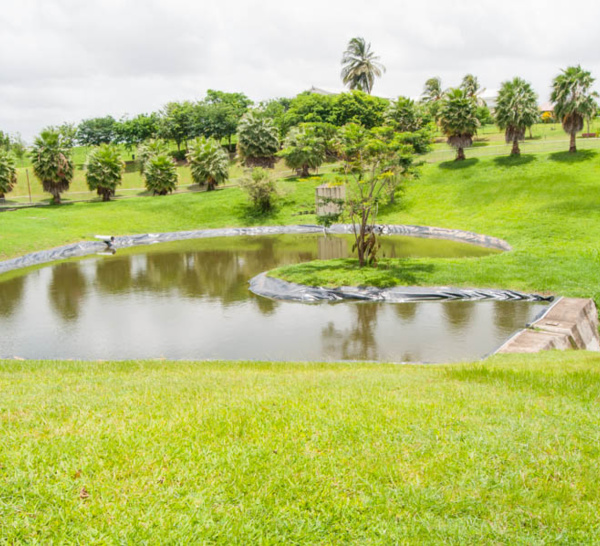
<point x="251" y="453"/>
<point x="505" y="451"/>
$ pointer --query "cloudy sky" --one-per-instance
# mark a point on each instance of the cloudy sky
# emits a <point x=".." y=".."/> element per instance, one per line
<point x="66" y="60"/>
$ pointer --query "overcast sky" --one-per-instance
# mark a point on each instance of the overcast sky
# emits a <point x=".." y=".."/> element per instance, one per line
<point x="66" y="60"/>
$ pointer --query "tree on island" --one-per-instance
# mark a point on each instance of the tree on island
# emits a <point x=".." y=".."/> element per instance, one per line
<point x="516" y="111"/>
<point x="573" y="100"/>
<point x="52" y="163"/>
<point x="360" y="66"/>
<point x="458" y="120"/>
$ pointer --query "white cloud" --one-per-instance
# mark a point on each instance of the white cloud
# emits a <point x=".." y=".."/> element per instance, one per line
<point x="64" y="60"/>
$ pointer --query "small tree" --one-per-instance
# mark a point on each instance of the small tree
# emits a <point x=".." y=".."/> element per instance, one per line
<point x="8" y="173"/>
<point x="258" y="141"/>
<point x="516" y="111"/>
<point x="52" y="164"/>
<point x="573" y="100"/>
<point x="161" y="175"/>
<point x="458" y="120"/>
<point x="303" y="150"/>
<point x="104" y="170"/>
<point x="261" y="189"/>
<point x="96" y="131"/>
<point x="150" y="149"/>
<point x="209" y="163"/>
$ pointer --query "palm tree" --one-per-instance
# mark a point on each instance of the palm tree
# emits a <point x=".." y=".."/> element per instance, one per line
<point x="52" y="163"/>
<point x="209" y="162"/>
<point x="104" y="170"/>
<point x="573" y="101"/>
<point x="360" y="66"/>
<point x="8" y="173"/>
<point x="432" y="91"/>
<point x="458" y="120"/>
<point x="516" y="111"/>
<point x="161" y="175"/>
<point x="258" y="141"/>
<point x="471" y="86"/>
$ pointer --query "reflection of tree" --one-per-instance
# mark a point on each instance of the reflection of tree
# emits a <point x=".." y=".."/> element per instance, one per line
<point x="458" y="313"/>
<point x="266" y="306"/>
<point x="331" y="248"/>
<point x="510" y="315"/>
<point x="67" y="289"/>
<point x="113" y="275"/>
<point x="11" y="292"/>
<point x="359" y="342"/>
<point x="406" y="311"/>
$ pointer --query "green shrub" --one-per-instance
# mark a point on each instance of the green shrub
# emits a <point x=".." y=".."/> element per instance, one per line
<point x="104" y="170"/>
<point x="261" y="189"/>
<point x="161" y="175"/>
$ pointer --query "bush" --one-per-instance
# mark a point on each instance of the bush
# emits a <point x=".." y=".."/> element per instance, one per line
<point x="261" y="189"/>
<point x="104" y="170"/>
<point x="161" y="175"/>
<point x="258" y="141"/>
<point x="209" y="162"/>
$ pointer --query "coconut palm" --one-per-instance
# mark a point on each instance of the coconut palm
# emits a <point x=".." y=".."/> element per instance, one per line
<point x="52" y="163"/>
<point x="573" y="100"/>
<point x="360" y="66"/>
<point x="432" y="91"/>
<point x="516" y="111"/>
<point x="458" y="120"/>
<point x="209" y="162"/>
<point x="104" y="170"/>
<point x="258" y="141"/>
<point x="161" y="175"/>
<point x="470" y="85"/>
<point x="8" y="172"/>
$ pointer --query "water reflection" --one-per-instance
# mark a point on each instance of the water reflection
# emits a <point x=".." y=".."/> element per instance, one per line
<point x="357" y="342"/>
<point x="458" y="313"/>
<point x="11" y="293"/>
<point x="507" y="314"/>
<point x="406" y="311"/>
<point x="114" y="276"/>
<point x="67" y="290"/>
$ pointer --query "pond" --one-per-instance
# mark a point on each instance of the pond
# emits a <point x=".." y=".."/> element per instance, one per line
<point x="190" y="300"/>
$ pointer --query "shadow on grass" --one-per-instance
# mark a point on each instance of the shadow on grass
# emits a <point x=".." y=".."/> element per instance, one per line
<point x="250" y="216"/>
<point x="577" y="157"/>
<point x="514" y="161"/>
<point x="457" y="165"/>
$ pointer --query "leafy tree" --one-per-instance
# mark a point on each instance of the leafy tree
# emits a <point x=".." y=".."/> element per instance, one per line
<point x="104" y="170"/>
<point x="484" y="115"/>
<point x="8" y="173"/>
<point x="303" y="150"/>
<point x="13" y="143"/>
<point x="177" y="122"/>
<point x="258" y="141"/>
<point x="150" y="149"/>
<point x="52" y="163"/>
<point x="516" y="111"/>
<point x="458" y="120"/>
<point x="308" y="107"/>
<point x="573" y="100"/>
<point x="95" y="131"/>
<point x="132" y="132"/>
<point x="276" y="110"/>
<point x="404" y="115"/>
<point x="209" y="162"/>
<point x="470" y="85"/>
<point x="161" y="175"/>
<point x="358" y="107"/>
<point x="261" y="189"/>
<point x="360" y="66"/>
<point x="432" y="91"/>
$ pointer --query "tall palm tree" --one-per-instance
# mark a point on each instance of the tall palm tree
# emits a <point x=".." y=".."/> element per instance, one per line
<point x="458" y="120"/>
<point x="516" y="111"/>
<point x="52" y="163"/>
<point x="432" y="91"/>
<point x="470" y="85"/>
<point x="360" y="66"/>
<point x="573" y="100"/>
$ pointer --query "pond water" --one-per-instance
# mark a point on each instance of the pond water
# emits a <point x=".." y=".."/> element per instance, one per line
<point x="190" y="300"/>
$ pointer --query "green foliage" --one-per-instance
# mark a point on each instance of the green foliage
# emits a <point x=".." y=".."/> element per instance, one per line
<point x="104" y="170"/>
<point x="308" y="107"/>
<point x="303" y="149"/>
<point x="484" y="115"/>
<point x="209" y="162"/>
<point x="404" y="115"/>
<point x="470" y="85"/>
<point x="516" y="110"/>
<point x="95" y="131"/>
<point x="276" y="110"/>
<point x="458" y="120"/>
<point x="258" y="141"/>
<point x="261" y="189"/>
<point x="150" y="149"/>
<point x="358" y="107"/>
<point x="132" y="132"/>
<point x="360" y="66"/>
<point x="13" y="143"/>
<point x="8" y="172"/>
<point x="160" y="175"/>
<point x="52" y="163"/>
<point x="574" y="102"/>
<point x="432" y="90"/>
<point x="176" y="122"/>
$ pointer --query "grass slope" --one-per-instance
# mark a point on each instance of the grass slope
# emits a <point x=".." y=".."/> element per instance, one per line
<point x="245" y="453"/>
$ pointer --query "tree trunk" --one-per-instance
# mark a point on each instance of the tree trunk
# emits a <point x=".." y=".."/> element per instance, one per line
<point x="572" y="146"/>
<point x="305" y="171"/>
<point x="106" y="196"/>
<point x="210" y="184"/>
<point x="460" y="154"/>
<point x="515" y="148"/>
<point x="56" y="198"/>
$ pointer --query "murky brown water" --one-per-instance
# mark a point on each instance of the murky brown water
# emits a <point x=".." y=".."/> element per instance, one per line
<point x="190" y="300"/>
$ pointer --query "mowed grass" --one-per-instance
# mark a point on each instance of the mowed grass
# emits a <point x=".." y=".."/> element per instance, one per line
<point x="504" y="452"/>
